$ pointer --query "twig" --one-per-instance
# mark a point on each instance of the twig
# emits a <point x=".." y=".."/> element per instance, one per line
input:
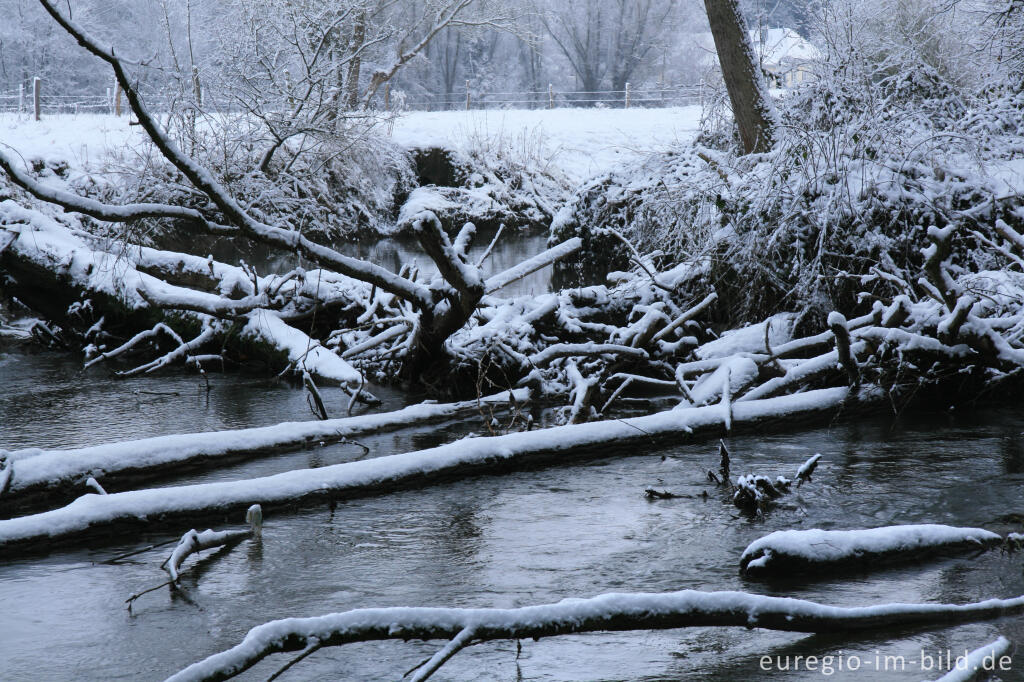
<point x="308" y="651"/>
<point x="457" y="644"/>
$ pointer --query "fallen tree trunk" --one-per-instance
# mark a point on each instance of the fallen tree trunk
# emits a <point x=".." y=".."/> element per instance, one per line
<point x="785" y="552"/>
<point x="94" y="515"/>
<point x="605" y="613"/>
<point x="53" y="269"/>
<point x="49" y="476"/>
<point x="981" y="663"/>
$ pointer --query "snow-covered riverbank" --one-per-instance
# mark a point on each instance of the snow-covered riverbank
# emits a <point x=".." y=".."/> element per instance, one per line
<point x="578" y="142"/>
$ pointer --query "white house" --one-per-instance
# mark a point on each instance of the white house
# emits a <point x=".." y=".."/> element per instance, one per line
<point x="785" y="55"/>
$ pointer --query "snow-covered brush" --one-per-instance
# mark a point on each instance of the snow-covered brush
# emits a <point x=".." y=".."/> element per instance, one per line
<point x="194" y="542"/>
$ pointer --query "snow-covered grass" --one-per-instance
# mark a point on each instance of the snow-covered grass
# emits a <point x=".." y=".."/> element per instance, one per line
<point x="79" y="140"/>
<point x="579" y="142"/>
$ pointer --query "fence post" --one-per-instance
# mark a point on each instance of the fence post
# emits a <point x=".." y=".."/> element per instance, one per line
<point x="551" y="96"/>
<point x="37" y="101"/>
<point x="197" y="86"/>
<point x="110" y="101"/>
<point x="467" y="95"/>
<point x="21" y="98"/>
<point x="117" y="99"/>
<point x="627" y="95"/>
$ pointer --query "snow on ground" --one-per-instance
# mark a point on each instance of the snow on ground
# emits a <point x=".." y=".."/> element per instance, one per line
<point x="80" y="140"/>
<point x="579" y="142"/>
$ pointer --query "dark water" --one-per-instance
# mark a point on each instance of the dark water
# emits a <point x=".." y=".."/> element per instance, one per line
<point x="512" y="247"/>
<point x="504" y="541"/>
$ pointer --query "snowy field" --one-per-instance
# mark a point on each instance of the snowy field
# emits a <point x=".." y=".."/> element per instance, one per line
<point x="580" y="142"/>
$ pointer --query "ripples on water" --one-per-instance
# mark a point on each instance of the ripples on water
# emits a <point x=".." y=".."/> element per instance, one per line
<point x="523" y="538"/>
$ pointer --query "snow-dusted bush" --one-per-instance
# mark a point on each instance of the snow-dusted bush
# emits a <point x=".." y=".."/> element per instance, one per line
<point x="329" y="187"/>
<point x="867" y="161"/>
<point x="492" y="179"/>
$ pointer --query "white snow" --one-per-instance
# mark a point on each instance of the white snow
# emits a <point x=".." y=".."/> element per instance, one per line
<point x="81" y="140"/>
<point x="741" y="373"/>
<point x="580" y="142"/>
<point x="750" y="339"/>
<point x="819" y="547"/>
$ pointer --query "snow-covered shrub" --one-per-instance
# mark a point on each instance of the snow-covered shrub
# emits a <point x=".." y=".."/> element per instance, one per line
<point x="327" y="187"/>
<point x="493" y="179"/>
<point x="841" y="206"/>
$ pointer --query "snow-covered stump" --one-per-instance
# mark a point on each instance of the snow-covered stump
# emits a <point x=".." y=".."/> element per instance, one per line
<point x="95" y="515"/>
<point x="604" y="613"/>
<point x="787" y="552"/>
<point x="46" y="477"/>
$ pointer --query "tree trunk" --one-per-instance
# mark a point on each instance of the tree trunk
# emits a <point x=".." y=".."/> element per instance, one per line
<point x="355" y="62"/>
<point x="751" y="105"/>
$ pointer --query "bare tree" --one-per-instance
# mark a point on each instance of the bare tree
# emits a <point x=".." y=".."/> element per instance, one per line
<point x="578" y="30"/>
<point x="639" y="24"/>
<point x="426" y="315"/>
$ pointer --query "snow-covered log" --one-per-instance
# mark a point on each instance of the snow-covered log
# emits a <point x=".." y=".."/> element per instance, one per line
<point x="95" y="515"/>
<point x="55" y="267"/>
<point x="605" y="613"/>
<point x="531" y="265"/>
<point x="193" y="542"/>
<point x="785" y="552"/>
<point x="50" y="475"/>
<point x="981" y="663"/>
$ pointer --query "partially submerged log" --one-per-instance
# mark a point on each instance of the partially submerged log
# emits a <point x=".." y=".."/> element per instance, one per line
<point x="97" y="515"/>
<point x="979" y="664"/>
<point x="194" y="542"/>
<point x="605" y="613"/>
<point x="48" y="476"/>
<point x="783" y="553"/>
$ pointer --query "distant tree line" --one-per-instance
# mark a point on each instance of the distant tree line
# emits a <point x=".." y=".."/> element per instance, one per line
<point x="345" y="51"/>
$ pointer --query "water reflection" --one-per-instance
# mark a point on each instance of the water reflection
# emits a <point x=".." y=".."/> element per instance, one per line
<point x="523" y="538"/>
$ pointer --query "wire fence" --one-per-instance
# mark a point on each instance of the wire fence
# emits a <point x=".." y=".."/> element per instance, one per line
<point x="552" y="99"/>
<point x="24" y="101"/>
<point x="33" y="100"/>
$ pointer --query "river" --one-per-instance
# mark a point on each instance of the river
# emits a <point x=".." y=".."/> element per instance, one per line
<point x="523" y="538"/>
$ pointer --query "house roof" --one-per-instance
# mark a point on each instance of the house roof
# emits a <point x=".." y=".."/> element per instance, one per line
<point x="780" y="46"/>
